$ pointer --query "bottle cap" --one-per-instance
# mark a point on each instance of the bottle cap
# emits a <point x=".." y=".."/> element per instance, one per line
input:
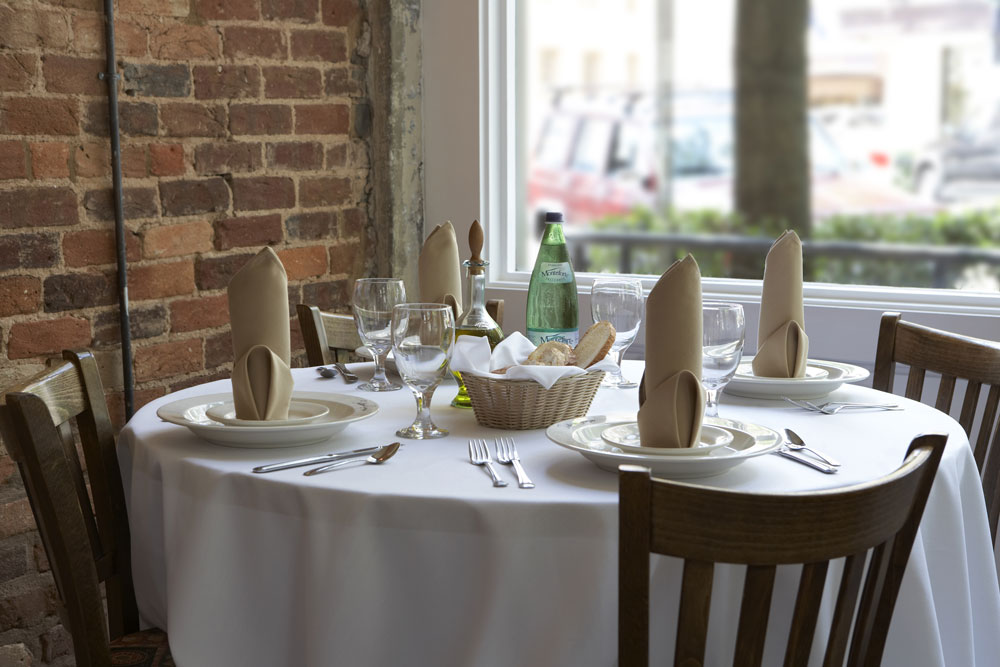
<point x="553" y="216"/>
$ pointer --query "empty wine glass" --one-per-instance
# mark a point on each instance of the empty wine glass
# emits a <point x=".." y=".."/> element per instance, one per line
<point x="374" y="299"/>
<point x="619" y="301"/>
<point x="423" y="335"/>
<point x="723" y="330"/>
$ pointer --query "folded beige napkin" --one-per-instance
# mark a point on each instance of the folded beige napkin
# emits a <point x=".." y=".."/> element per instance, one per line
<point x="440" y="271"/>
<point x="258" y="310"/>
<point x="782" y="344"/>
<point x="674" y="399"/>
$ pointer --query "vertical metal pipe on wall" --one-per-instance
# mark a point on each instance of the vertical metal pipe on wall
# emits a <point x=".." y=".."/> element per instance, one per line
<point x="111" y="78"/>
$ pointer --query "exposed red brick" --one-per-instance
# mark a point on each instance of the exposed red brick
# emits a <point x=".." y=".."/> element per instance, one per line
<point x="13" y="163"/>
<point x="20" y="294"/>
<point x="183" y="41"/>
<point x="226" y="81"/>
<point x="306" y="156"/>
<point x="263" y="192"/>
<point x="177" y="240"/>
<point x="68" y="74"/>
<point x="166" y="159"/>
<point x="312" y="226"/>
<point x="136" y="118"/>
<point x="96" y="247"/>
<point x="38" y="207"/>
<point x="219" y="349"/>
<point x="353" y="221"/>
<point x="156" y="281"/>
<point x="302" y="10"/>
<point x="322" y="45"/>
<point x="346" y="258"/>
<point x="163" y="360"/>
<point x="341" y="12"/>
<point x="156" y="80"/>
<point x="36" y="115"/>
<point x="50" y="160"/>
<point x="193" y="120"/>
<point x="260" y="119"/>
<point x="15" y="518"/>
<point x="304" y="262"/>
<point x="322" y="119"/>
<point x="92" y="159"/>
<point x="17" y="70"/>
<point x="27" y="26"/>
<point x="229" y="10"/>
<point x="194" y="197"/>
<point x="240" y="42"/>
<point x="134" y="161"/>
<point x="116" y="402"/>
<point x="155" y="7"/>
<point x="71" y="291"/>
<point x="336" y="155"/>
<point x="215" y="272"/>
<point x="230" y="158"/>
<point x="248" y="232"/>
<point x="292" y="82"/>
<point x="32" y="339"/>
<point x="88" y="35"/>
<point x="328" y="295"/>
<point x="137" y="203"/>
<point x="206" y="312"/>
<point x="345" y="81"/>
<point x="324" y="191"/>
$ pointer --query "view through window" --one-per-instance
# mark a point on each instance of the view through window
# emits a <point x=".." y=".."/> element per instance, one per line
<point x="627" y="125"/>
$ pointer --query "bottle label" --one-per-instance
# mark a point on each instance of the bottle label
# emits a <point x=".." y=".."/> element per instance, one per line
<point x="569" y="336"/>
<point x="555" y="272"/>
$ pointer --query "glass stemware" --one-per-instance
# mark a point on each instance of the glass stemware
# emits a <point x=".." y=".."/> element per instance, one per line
<point x="374" y="299"/>
<point x="619" y="301"/>
<point x="723" y="332"/>
<point x="423" y="335"/>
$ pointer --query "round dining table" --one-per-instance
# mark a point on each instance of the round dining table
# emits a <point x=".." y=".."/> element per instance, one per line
<point x="422" y="561"/>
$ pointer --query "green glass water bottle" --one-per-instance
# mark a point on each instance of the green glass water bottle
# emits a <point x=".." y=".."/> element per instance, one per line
<point x="552" y="299"/>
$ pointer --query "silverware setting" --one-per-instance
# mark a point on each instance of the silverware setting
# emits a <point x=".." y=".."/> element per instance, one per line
<point x="507" y="454"/>
<point x="795" y="443"/>
<point x="384" y="454"/>
<point x="806" y="461"/>
<point x="833" y="407"/>
<point x="793" y="448"/>
<point x="329" y="373"/>
<point x="322" y="458"/>
<point x="479" y="454"/>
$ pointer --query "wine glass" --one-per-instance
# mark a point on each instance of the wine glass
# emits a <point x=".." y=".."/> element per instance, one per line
<point x="374" y="299"/>
<point x="722" y="335"/>
<point x="423" y="335"/>
<point x="619" y="301"/>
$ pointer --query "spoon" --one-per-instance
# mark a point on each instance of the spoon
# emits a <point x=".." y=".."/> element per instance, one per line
<point x="795" y="443"/>
<point x="382" y="455"/>
<point x="349" y="377"/>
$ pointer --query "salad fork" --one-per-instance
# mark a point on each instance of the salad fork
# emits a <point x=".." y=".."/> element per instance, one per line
<point x="507" y="454"/>
<point x="479" y="454"/>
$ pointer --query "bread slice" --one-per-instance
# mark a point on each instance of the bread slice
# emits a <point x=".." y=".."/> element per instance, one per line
<point x="595" y="344"/>
<point x="552" y="353"/>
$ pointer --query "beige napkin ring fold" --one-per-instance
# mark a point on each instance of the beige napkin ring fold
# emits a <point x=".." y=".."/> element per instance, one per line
<point x="784" y="354"/>
<point x="262" y="385"/>
<point x="672" y="414"/>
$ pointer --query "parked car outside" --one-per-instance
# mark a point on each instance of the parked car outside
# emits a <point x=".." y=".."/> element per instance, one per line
<point x="964" y="166"/>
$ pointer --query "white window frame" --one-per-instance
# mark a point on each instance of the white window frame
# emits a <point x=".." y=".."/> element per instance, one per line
<point x="469" y="115"/>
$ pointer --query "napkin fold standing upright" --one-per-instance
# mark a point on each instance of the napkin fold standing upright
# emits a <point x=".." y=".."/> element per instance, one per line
<point x="782" y="344"/>
<point x="439" y="270"/>
<point x="258" y="310"/>
<point x="674" y="399"/>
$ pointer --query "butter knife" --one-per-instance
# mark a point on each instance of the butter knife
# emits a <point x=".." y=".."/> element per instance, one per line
<point x="806" y="461"/>
<point x="322" y="458"/>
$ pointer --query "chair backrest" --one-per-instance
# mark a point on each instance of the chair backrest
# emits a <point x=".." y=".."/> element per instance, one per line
<point x="705" y="526"/>
<point x="87" y="542"/>
<point x="954" y="357"/>
<point x="328" y="337"/>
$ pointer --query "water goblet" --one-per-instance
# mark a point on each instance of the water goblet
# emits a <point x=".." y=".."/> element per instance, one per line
<point x="723" y="330"/>
<point x="423" y="335"/>
<point x="619" y="301"/>
<point x="374" y="299"/>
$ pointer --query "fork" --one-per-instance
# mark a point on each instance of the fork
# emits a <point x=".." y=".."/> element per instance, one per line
<point x="833" y="407"/>
<point x="507" y="454"/>
<point x="479" y="454"/>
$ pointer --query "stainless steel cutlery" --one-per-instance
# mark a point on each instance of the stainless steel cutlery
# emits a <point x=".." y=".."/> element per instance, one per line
<point x="383" y="454"/>
<point x="507" y="454"/>
<point x="322" y="458"/>
<point x="479" y="454"/>
<point x="327" y="372"/>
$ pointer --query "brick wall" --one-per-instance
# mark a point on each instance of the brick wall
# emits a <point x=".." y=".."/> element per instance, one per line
<point x="244" y="123"/>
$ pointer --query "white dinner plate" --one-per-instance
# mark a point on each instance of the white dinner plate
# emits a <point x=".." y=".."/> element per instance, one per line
<point x="626" y="438"/>
<point x="299" y="412"/>
<point x="749" y="440"/>
<point x="343" y="410"/>
<point x="822" y="377"/>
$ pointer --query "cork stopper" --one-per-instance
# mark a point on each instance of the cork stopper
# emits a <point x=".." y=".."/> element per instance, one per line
<point x="476" y="262"/>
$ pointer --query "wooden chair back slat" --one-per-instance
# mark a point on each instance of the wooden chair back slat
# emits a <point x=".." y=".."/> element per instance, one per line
<point x="495" y="309"/>
<point x="955" y="357"/>
<point x="695" y="604"/>
<point x="328" y="337"/>
<point x="843" y="611"/>
<point x="85" y="534"/>
<point x="946" y="392"/>
<point x="758" y="584"/>
<point x="705" y="526"/>
<point x="806" y="612"/>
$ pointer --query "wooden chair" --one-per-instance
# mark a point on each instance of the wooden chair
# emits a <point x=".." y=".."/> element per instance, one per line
<point x="955" y="357"/>
<point x="705" y="526"/>
<point x="331" y="337"/>
<point x="87" y="543"/>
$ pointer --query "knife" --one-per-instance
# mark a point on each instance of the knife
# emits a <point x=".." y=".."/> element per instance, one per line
<point x="322" y="458"/>
<point x="806" y="461"/>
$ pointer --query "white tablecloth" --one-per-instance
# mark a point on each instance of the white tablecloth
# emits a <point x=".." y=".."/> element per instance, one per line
<point x="421" y="561"/>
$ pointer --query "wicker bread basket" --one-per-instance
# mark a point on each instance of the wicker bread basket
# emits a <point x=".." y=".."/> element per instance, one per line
<point x="525" y="404"/>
